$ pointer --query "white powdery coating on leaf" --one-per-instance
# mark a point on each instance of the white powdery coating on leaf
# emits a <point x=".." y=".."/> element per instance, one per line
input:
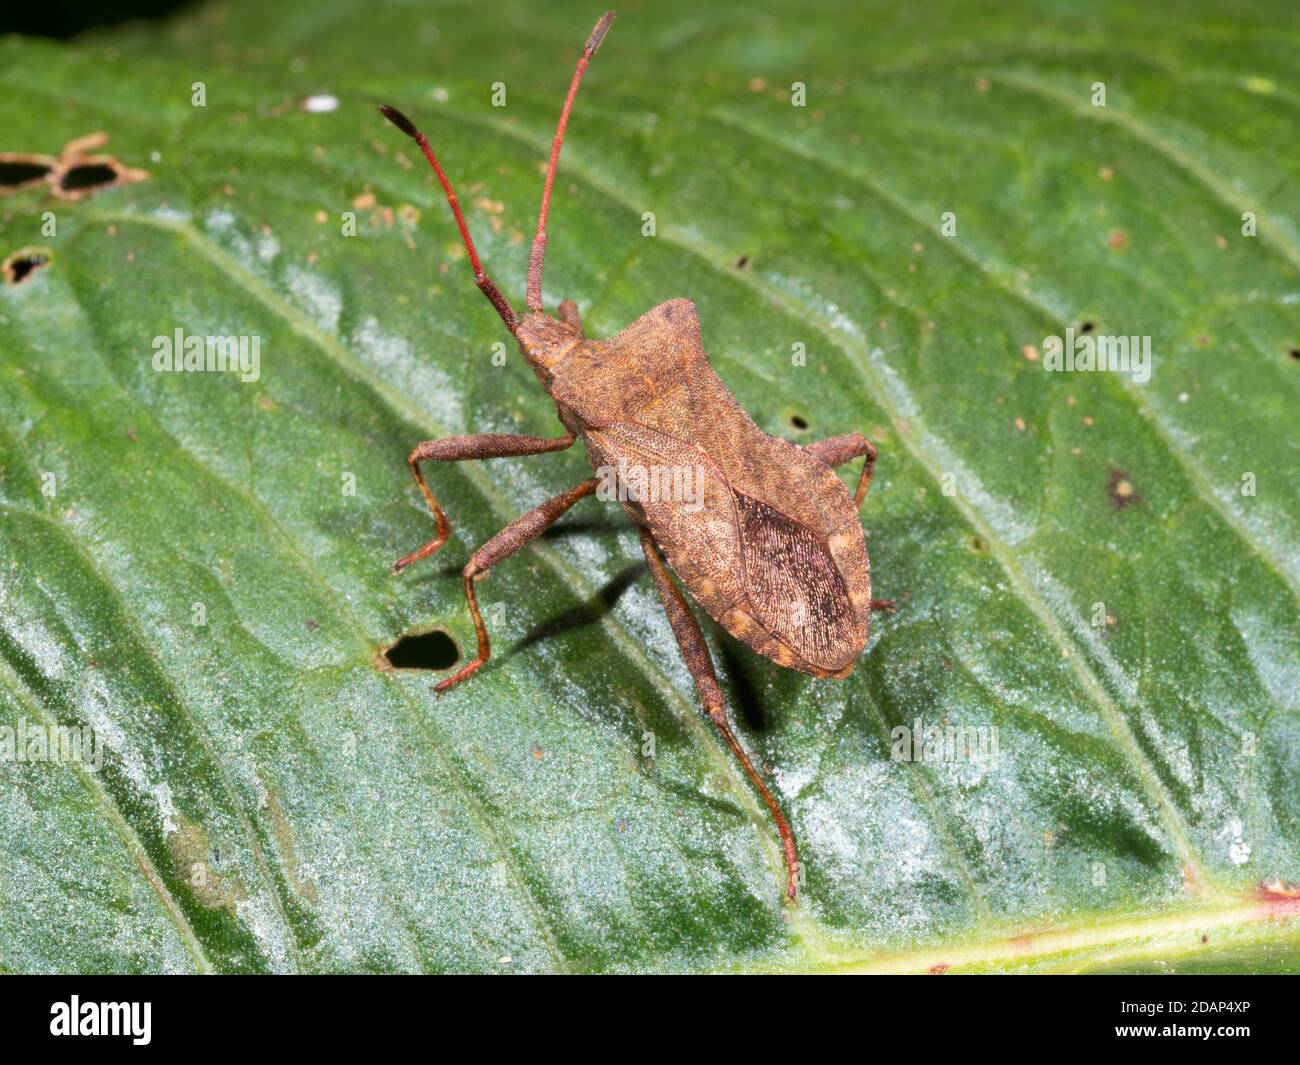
<point x="267" y="247"/>
<point x="35" y="639"/>
<point x="221" y="223"/>
<point x="176" y="215"/>
<point x="1238" y="848"/>
<point x="824" y="310"/>
<point x="790" y="782"/>
<point x="321" y="299"/>
<point x="110" y="734"/>
<point x="417" y="376"/>
<point x="260" y="917"/>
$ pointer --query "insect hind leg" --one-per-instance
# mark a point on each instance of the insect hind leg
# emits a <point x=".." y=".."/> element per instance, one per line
<point x="837" y="450"/>
<point x="695" y="653"/>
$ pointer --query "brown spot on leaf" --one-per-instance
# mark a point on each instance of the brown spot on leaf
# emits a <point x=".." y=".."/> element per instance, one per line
<point x="188" y="848"/>
<point x="1121" y="490"/>
<point x="302" y="886"/>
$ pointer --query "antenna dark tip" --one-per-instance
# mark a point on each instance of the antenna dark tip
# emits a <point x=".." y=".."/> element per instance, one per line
<point x="598" y="34"/>
<point x="399" y="120"/>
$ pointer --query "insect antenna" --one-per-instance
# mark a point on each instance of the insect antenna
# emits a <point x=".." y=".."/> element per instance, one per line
<point x="486" y="285"/>
<point x="538" y="253"/>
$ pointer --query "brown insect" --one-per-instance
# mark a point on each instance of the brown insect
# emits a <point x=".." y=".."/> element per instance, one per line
<point x="770" y="545"/>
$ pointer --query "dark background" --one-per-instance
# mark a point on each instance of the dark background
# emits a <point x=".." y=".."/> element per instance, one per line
<point x="64" y="18"/>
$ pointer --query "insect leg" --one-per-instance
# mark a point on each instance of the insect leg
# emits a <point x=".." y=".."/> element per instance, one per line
<point x="695" y="652"/>
<point x="836" y="450"/>
<point x="519" y="533"/>
<point x="569" y="315"/>
<point x="456" y="448"/>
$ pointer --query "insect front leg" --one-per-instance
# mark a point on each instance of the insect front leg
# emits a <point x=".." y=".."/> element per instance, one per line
<point x="519" y="533"/>
<point x="456" y="448"/>
<point x="695" y="653"/>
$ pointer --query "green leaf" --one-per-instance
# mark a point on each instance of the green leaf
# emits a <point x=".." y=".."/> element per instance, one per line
<point x="1103" y="570"/>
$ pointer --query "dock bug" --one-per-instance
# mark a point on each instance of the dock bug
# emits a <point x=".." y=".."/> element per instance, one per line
<point x="772" y="548"/>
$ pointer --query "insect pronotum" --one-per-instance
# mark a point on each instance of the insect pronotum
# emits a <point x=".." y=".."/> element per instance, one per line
<point x="770" y="544"/>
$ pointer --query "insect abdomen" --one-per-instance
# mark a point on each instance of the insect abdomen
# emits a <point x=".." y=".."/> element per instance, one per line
<point x="770" y="544"/>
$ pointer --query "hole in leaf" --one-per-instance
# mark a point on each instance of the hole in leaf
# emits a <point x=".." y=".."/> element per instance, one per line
<point x="87" y="176"/>
<point x="15" y="173"/>
<point x="423" y="650"/>
<point x="742" y="263"/>
<point x="1087" y="327"/>
<point x="798" y="421"/>
<point x="977" y="545"/>
<point x="20" y="266"/>
<point x="1295" y="354"/>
